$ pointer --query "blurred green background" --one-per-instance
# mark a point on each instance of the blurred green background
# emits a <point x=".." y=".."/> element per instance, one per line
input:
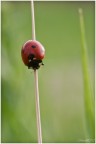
<point x="60" y="80"/>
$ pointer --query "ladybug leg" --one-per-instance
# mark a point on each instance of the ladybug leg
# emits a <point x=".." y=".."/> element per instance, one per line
<point x="34" y="63"/>
<point x="42" y="63"/>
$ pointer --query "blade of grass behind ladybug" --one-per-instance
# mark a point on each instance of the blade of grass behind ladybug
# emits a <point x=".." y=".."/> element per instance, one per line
<point x="38" y="119"/>
<point x="88" y="93"/>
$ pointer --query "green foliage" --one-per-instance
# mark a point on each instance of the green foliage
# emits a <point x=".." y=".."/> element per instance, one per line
<point x="60" y="80"/>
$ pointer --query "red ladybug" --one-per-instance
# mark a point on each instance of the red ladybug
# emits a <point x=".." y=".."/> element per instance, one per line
<point x="32" y="54"/>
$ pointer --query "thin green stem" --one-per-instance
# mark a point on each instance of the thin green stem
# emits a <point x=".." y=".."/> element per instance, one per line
<point x="88" y="94"/>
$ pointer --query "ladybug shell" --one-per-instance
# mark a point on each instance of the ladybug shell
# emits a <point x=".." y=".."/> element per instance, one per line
<point x="32" y="47"/>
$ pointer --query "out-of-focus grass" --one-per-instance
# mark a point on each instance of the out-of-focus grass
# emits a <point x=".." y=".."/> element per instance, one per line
<point x="60" y="80"/>
<point x="88" y="91"/>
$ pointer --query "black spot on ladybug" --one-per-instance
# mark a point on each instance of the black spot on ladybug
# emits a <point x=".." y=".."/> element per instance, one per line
<point x="33" y="46"/>
<point x="30" y="57"/>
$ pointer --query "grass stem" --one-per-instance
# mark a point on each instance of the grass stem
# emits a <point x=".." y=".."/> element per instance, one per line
<point x="88" y="94"/>
<point x="37" y="107"/>
<point x="36" y="82"/>
<point x="33" y="20"/>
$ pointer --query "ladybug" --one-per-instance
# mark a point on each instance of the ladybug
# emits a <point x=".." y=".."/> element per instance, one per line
<point x="32" y="53"/>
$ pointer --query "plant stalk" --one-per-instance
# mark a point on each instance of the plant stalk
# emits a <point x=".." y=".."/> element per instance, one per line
<point x="88" y="93"/>
<point x="38" y="119"/>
